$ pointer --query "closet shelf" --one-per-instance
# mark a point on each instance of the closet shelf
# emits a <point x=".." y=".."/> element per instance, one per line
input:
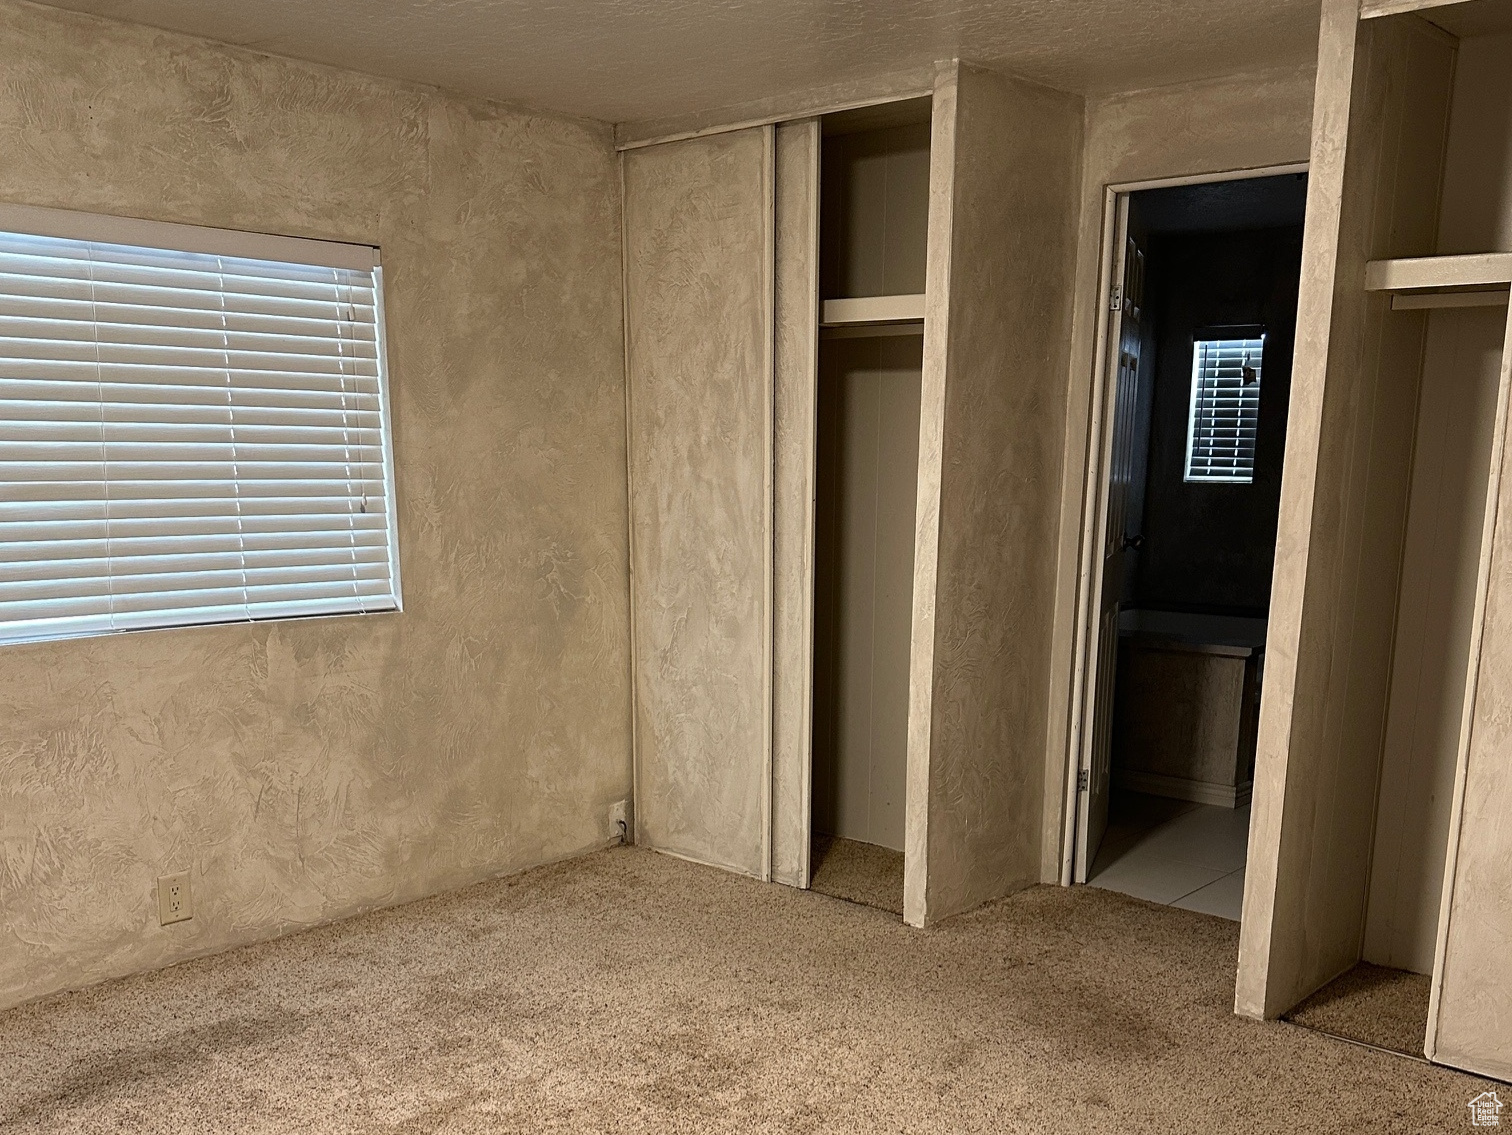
<point x="1475" y="271"/>
<point x="1374" y="9"/>
<point x="1420" y="301"/>
<point x="872" y="309"/>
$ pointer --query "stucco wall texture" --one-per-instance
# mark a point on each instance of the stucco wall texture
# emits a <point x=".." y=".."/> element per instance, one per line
<point x="995" y="352"/>
<point x="305" y="770"/>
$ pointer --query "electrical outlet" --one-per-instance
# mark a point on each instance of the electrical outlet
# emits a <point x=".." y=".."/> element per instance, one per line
<point x="619" y="820"/>
<point x="175" y="901"/>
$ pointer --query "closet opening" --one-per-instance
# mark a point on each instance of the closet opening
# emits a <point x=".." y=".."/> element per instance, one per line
<point x="1434" y="368"/>
<point x="873" y="219"/>
<point x="1199" y="345"/>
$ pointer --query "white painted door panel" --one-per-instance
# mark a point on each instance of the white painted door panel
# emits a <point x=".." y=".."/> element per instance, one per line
<point x="1096" y="780"/>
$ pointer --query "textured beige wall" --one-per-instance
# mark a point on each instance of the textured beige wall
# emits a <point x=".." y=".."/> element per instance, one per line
<point x="1005" y="170"/>
<point x="699" y="288"/>
<point x="1235" y="123"/>
<point x="306" y="770"/>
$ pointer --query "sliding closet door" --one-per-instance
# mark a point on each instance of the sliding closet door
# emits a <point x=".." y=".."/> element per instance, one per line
<point x="698" y="288"/>
<point x="1470" y="1023"/>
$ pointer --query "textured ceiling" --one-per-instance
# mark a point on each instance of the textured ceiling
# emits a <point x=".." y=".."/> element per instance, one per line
<point x="633" y="60"/>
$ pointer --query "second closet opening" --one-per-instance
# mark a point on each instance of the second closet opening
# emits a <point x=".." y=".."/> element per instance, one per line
<point x="873" y="219"/>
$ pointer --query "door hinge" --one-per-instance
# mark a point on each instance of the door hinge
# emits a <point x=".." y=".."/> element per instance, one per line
<point x="1083" y="780"/>
<point x="1115" y="300"/>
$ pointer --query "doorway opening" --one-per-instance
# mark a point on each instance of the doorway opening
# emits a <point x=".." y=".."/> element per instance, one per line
<point x="1196" y="373"/>
<point x="873" y="219"/>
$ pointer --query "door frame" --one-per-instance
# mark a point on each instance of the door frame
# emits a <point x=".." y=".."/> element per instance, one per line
<point x="1094" y="514"/>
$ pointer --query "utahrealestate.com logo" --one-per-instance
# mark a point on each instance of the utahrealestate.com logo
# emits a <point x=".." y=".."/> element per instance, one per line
<point x="1485" y="1110"/>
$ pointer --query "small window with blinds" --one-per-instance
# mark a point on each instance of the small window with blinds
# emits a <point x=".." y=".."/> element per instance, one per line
<point x="193" y="428"/>
<point x="1224" y="417"/>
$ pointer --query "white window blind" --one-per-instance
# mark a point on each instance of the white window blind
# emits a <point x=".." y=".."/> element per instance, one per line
<point x="1225" y="409"/>
<point x="187" y="436"/>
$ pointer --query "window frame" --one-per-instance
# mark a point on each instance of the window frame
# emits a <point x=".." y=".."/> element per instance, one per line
<point x="1220" y="334"/>
<point x="100" y="228"/>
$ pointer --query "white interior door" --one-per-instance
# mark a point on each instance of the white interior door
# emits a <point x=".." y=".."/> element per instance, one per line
<point x="1095" y="776"/>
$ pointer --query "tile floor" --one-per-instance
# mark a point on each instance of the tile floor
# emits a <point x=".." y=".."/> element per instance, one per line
<point x="1175" y="853"/>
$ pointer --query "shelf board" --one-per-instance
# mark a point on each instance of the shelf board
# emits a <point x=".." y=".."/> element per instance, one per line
<point x="1421" y="301"/>
<point x="1460" y="18"/>
<point x="1475" y="271"/>
<point x="872" y="309"/>
<point x="872" y="330"/>
<point x="1375" y="9"/>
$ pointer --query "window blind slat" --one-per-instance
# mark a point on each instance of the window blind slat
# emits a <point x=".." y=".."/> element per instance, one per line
<point x="178" y="456"/>
<point x="361" y="396"/>
<point x="263" y="315"/>
<point x="114" y="565"/>
<point x="26" y="319"/>
<point x="270" y="302"/>
<point x="187" y="438"/>
<point x="196" y="272"/>
<point x="255" y="511"/>
<point x="113" y="366"/>
<point x="75" y="550"/>
<point x="119" y="584"/>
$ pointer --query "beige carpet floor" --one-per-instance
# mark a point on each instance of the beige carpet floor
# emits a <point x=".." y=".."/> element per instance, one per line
<point x="631" y="992"/>
<point x="1380" y="1006"/>
<point x="858" y="872"/>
